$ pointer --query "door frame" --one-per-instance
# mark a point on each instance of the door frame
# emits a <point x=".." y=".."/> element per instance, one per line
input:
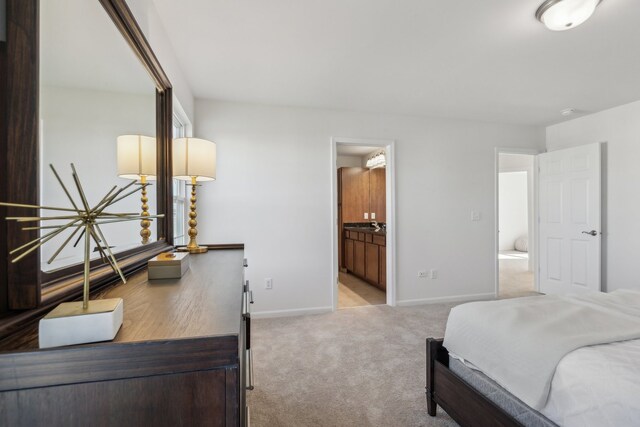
<point x="536" y="215"/>
<point x="390" y="183"/>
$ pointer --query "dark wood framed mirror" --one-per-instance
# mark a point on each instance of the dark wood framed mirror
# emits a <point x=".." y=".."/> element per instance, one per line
<point x="26" y="292"/>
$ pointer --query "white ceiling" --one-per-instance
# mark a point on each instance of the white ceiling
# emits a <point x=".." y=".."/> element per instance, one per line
<point x="484" y="60"/>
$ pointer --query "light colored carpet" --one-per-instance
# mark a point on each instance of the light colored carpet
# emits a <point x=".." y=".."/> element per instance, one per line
<point x="358" y="367"/>
<point x="515" y="279"/>
<point x="353" y="292"/>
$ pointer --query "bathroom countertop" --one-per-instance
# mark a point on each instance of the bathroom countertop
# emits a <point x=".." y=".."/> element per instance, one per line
<point x="361" y="229"/>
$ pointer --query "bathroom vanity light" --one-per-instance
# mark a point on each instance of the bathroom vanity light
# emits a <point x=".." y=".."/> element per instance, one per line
<point x="561" y="15"/>
<point x="377" y="160"/>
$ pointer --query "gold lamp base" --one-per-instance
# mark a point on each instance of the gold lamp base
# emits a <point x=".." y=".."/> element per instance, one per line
<point x="194" y="250"/>
<point x="193" y="247"/>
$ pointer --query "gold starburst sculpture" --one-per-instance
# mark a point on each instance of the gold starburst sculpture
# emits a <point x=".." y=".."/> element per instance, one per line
<point x="83" y="218"/>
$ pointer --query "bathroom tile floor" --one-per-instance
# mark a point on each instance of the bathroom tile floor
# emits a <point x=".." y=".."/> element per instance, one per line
<point x="353" y="292"/>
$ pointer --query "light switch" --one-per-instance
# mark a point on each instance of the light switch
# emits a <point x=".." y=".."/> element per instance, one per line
<point x="475" y="216"/>
<point x="366" y="215"/>
<point x="373" y="215"/>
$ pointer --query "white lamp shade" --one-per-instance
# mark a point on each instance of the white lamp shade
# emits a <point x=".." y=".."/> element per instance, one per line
<point x="137" y="157"/>
<point x="566" y="14"/>
<point x="194" y="157"/>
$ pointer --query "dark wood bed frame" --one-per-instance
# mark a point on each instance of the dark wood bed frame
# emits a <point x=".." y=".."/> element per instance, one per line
<point x="466" y="405"/>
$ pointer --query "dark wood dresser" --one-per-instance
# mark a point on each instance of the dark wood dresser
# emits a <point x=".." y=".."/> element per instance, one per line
<point x="181" y="358"/>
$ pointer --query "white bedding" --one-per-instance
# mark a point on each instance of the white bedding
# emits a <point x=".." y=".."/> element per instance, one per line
<point x="519" y="343"/>
<point x="597" y="386"/>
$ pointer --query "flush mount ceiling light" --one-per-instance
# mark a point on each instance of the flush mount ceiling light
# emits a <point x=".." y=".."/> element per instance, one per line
<point x="561" y="15"/>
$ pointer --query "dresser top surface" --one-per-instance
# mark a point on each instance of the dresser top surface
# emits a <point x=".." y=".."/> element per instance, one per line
<point x="206" y="301"/>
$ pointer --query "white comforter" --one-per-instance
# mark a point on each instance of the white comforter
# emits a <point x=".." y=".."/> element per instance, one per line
<point x="520" y="342"/>
<point x="597" y="386"/>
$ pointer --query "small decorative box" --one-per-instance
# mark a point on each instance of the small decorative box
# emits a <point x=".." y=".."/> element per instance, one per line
<point x="168" y="265"/>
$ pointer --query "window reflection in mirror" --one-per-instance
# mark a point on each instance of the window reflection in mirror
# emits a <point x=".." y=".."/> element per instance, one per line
<point x="93" y="89"/>
<point x="179" y="194"/>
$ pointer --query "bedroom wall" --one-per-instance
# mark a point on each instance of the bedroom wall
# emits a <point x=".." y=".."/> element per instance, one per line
<point x="513" y="209"/>
<point x="273" y="192"/>
<point x="619" y="129"/>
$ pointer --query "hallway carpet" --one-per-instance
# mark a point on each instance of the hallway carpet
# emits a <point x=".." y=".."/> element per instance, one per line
<point x="515" y="278"/>
<point x="359" y="367"/>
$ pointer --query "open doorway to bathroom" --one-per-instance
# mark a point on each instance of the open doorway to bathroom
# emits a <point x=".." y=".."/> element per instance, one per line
<point x="516" y="215"/>
<point x="361" y="200"/>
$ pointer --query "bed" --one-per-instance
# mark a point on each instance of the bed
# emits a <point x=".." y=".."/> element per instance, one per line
<point x="539" y="361"/>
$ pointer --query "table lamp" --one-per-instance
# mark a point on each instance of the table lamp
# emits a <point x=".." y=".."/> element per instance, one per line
<point x="137" y="160"/>
<point x="194" y="160"/>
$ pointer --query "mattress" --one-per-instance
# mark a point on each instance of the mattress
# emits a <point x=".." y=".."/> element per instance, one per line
<point x="519" y="342"/>
<point x="513" y="406"/>
<point x="594" y="386"/>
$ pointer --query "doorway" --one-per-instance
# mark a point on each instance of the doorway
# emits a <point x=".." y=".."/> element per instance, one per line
<point x="363" y="226"/>
<point x="515" y="221"/>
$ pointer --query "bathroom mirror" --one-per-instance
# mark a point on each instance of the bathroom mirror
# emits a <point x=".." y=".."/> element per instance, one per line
<point x="93" y="89"/>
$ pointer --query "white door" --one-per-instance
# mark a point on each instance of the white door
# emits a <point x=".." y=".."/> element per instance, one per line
<point x="570" y="209"/>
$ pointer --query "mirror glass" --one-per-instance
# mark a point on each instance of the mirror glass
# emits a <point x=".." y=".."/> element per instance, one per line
<point x="93" y="90"/>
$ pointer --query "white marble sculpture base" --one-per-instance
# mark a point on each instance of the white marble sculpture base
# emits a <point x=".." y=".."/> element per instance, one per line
<point x="70" y="324"/>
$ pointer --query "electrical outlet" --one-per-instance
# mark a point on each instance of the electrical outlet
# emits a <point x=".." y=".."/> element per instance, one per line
<point x="433" y="274"/>
<point x="422" y="274"/>
<point x="268" y="283"/>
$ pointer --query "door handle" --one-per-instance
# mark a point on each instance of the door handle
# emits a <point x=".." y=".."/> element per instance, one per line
<point x="591" y="233"/>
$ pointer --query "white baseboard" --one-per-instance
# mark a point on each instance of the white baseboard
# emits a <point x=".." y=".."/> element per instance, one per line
<point x="293" y="312"/>
<point x="403" y="303"/>
<point x="436" y="300"/>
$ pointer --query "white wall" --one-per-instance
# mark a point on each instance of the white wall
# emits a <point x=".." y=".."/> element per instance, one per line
<point x="273" y="192"/>
<point x="349" y="161"/>
<point x="515" y="162"/>
<point x="81" y="126"/>
<point x="513" y="208"/>
<point x="619" y="128"/>
<point x="151" y="25"/>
